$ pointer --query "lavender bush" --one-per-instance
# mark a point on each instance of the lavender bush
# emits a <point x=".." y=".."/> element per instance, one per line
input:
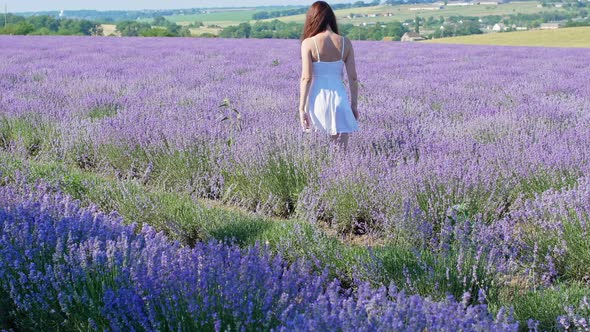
<point x="65" y="267"/>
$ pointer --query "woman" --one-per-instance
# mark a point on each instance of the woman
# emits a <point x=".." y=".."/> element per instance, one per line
<point x="323" y="101"/>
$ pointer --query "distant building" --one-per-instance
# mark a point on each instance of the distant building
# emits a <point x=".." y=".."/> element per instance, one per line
<point x="495" y="3"/>
<point x="425" y="8"/>
<point x="550" y="26"/>
<point x="558" y="5"/>
<point x="412" y="37"/>
<point x="454" y="4"/>
<point x="499" y="27"/>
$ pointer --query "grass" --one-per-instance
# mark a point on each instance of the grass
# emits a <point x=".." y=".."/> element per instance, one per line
<point x="101" y="112"/>
<point x="565" y="37"/>
<point x="27" y="133"/>
<point x="544" y="305"/>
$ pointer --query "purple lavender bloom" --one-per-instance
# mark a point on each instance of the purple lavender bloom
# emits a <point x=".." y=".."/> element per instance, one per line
<point x="63" y="264"/>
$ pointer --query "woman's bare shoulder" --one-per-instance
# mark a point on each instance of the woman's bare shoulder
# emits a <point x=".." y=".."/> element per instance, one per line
<point x="306" y="42"/>
<point x="347" y="42"/>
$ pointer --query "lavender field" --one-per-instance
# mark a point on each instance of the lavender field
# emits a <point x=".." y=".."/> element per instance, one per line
<point x="165" y="184"/>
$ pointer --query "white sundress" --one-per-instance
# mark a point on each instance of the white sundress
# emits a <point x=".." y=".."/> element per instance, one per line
<point x="328" y="104"/>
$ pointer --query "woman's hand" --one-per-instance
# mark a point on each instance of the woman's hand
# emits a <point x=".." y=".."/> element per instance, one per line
<point x="305" y="120"/>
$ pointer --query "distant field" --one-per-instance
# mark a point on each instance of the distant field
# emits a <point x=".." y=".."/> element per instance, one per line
<point x="223" y="17"/>
<point x="566" y="37"/>
<point x="403" y="12"/>
<point x="109" y="29"/>
<point x="226" y="17"/>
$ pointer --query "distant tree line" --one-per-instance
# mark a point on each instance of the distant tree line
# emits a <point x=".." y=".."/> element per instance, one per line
<point x="291" y="30"/>
<point x="271" y="29"/>
<point x="302" y="10"/>
<point x="47" y="25"/>
<point x="159" y="27"/>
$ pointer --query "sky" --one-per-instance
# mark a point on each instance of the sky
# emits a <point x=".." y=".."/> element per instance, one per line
<point x="46" y="5"/>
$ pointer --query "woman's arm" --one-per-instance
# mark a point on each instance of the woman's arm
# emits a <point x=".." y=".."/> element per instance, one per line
<point x="352" y="78"/>
<point x="306" y="73"/>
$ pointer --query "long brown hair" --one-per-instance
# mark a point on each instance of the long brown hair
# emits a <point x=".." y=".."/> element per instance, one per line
<point x="319" y="16"/>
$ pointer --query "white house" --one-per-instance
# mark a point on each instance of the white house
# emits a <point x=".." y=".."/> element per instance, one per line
<point x="550" y="26"/>
<point x="461" y="4"/>
<point x="425" y="8"/>
<point x="499" y="27"/>
<point x="411" y="37"/>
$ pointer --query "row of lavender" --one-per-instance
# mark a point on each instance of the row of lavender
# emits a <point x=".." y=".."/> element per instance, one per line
<point x="66" y="267"/>
<point x="440" y="125"/>
<point x="475" y="129"/>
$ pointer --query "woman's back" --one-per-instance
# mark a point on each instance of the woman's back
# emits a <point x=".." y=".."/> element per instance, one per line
<point x="329" y="47"/>
<point x="334" y="68"/>
<point x="328" y="104"/>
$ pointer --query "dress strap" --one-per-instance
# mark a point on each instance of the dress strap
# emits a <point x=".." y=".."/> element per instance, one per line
<point x="316" y="48"/>
<point x="342" y="56"/>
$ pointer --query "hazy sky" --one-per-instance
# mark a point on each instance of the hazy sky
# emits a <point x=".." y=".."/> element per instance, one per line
<point x="43" y="5"/>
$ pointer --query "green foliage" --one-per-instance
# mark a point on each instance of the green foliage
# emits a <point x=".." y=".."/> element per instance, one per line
<point x="570" y="239"/>
<point x="21" y="28"/>
<point x="132" y="28"/>
<point x="461" y="27"/>
<point x="103" y="111"/>
<point x="242" y="30"/>
<point x="395" y="30"/>
<point x="161" y="27"/>
<point x="173" y="171"/>
<point x="276" y="29"/>
<point x="543" y="180"/>
<point x="349" y="211"/>
<point x="157" y="32"/>
<point x="543" y="305"/>
<point x="47" y="25"/>
<point x="274" y="186"/>
<point x="28" y="132"/>
<point x="434" y="274"/>
<point x="207" y="35"/>
<point x="571" y="24"/>
<point x="167" y="29"/>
